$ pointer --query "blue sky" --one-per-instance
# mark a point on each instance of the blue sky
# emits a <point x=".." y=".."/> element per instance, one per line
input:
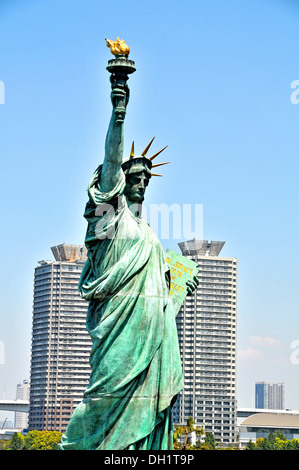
<point x="213" y="81"/>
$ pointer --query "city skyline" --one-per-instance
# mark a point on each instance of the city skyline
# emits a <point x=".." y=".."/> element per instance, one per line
<point x="216" y="82"/>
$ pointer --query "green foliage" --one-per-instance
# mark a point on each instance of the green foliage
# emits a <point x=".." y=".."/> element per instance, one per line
<point x="274" y="441"/>
<point x="250" y="445"/>
<point x="35" y="440"/>
<point x="185" y="430"/>
<point x="46" y="440"/>
<point x="3" y="444"/>
<point x="280" y="436"/>
<point x="30" y="438"/>
<point x="210" y="440"/>
<point x="16" y="442"/>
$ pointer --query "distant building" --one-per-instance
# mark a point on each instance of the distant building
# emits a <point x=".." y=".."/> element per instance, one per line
<point x="60" y="342"/>
<point x="22" y="393"/>
<point x="259" y="423"/>
<point x="207" y="324"/>
<point x="270" y="395"/>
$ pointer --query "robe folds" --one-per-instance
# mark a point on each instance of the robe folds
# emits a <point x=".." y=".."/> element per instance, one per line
<point x="135" y="361"/>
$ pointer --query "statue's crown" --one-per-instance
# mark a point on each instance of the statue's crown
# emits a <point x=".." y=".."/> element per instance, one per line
<point x="141" y="162"/>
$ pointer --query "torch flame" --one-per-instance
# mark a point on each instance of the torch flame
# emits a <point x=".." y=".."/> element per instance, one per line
<point x="118" y="47"/>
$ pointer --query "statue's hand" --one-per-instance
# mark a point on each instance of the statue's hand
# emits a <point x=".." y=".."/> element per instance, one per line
<point x="118" y="96"/>
<point x="192" y="285"/>
<point x="119" y="103"/>
<point x="120" y="92"/>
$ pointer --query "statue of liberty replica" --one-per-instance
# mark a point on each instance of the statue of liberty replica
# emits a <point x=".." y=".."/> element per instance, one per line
<point x="135" y="361"/>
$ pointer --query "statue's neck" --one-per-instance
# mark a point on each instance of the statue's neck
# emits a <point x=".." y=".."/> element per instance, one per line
<point x="135" y="207"/>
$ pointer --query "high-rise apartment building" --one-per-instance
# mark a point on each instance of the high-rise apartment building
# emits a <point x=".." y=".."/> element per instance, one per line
<point x="270" y="395"/>
<point x="22" y="393"/>
<point x="207" y="324"/>
<point x="60" y="342"/>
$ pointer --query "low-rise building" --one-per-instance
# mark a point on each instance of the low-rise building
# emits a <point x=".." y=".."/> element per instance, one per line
<point x="254" y="423"/>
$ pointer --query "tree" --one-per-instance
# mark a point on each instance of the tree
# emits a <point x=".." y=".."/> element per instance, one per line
<point x="280" y="444"/>
<point x="35" y="440"/>
<point x="16" y="442"/>
<point x="3" y="444"/>
<point x="276" y="441"/>
<point x="46" y="440"/>
<point x="178" y="431"/>
<point x="210" y="440"/>
<point x="187" y="430"/>
<point x="295" y="444"/>
<point x="261" y="444"/>
<point x="201" y="446"/>
<point x="250" y="446"/>
<point x="30" y="438"/>
<point x="280" y="435"/>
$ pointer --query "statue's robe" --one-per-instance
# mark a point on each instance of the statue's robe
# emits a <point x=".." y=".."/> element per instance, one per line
<point x="135" y="362"/>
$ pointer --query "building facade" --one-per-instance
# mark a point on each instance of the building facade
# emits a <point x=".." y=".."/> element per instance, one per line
<point x="256" y="423"/>
<point x="22" y="393"/>
<point x="270" y="395"/>
<point x="207" y="328"/>
<point x="60" y="342"/>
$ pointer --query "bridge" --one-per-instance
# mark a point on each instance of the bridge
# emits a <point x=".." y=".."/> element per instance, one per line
<point x="21" y="406"/>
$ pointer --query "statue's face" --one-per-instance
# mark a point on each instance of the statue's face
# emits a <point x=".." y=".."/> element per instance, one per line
<point x="136" y="184"/>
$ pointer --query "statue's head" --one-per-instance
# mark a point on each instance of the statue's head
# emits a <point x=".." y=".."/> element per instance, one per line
<point x="136" y="182"/>
<point x="138" y="172"/>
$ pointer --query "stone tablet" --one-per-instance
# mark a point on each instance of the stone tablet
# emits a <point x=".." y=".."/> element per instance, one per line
<point x="182" y="270"/>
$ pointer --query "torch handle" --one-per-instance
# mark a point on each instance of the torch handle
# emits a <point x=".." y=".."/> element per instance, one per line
<point x="119" y="95"/>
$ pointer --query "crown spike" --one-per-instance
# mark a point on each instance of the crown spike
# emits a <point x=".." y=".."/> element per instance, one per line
<point x="155" y="174"/>
<point x="146" y="149"/>
<point x="132" y="150"/>
<point x="159" y="164"/>
<point x="156" y="154"/>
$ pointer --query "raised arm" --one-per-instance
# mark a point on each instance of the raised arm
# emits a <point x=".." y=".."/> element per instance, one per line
<point x="115" y="138"/>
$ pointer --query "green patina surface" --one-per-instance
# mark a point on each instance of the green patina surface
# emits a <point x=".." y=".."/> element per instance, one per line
<point x="135" y="361"/>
